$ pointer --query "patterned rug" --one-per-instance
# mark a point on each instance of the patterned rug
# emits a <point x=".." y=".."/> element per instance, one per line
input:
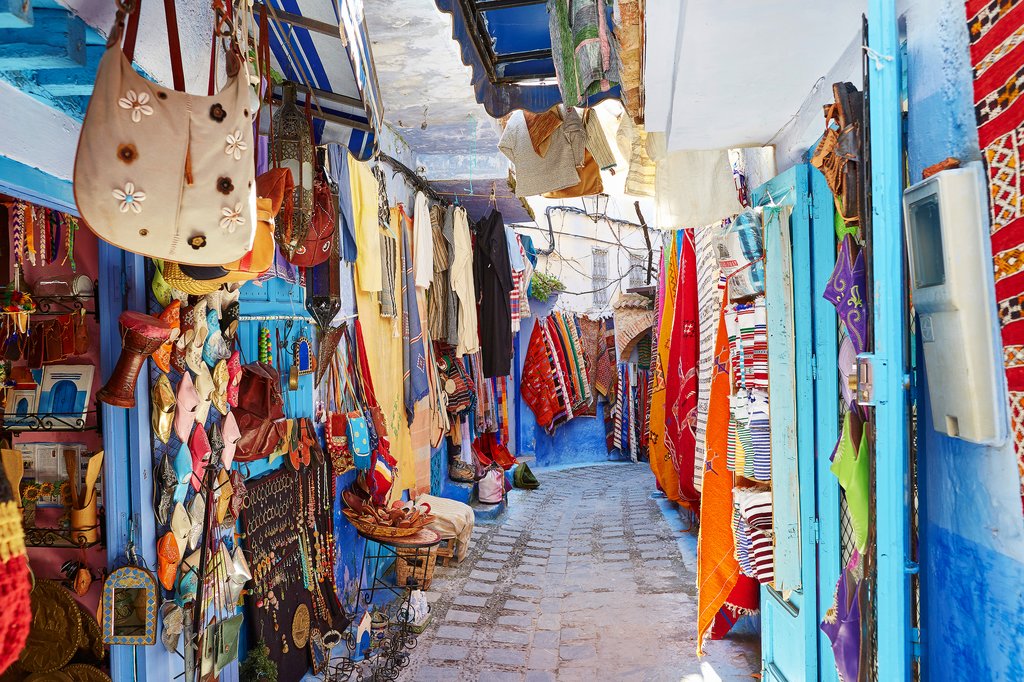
<point x="996" y="31"/>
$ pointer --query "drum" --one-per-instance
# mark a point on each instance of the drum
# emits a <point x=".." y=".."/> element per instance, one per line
<point x="141" y="336"/>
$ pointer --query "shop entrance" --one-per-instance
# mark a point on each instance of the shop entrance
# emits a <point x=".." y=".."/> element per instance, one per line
<point x="800" y="253"/>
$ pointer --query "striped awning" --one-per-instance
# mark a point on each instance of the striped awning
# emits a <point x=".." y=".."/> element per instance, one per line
<point x="323" y="46"/>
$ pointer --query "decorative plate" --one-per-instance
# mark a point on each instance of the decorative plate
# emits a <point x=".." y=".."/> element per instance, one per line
<point x="56" y="629"/>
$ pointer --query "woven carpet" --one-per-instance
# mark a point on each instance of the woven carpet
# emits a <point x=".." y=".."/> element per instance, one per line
<point x="997" y="55"/>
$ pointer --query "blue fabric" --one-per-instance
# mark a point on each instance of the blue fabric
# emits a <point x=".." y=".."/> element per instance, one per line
<point x="413" y="354"/>
<point x="338" y="157"/>
<point x="514" y="256"/>
<point x="530" y="249"/>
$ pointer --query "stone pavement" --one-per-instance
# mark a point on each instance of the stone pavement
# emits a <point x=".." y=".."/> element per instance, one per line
<point x="582" y="579"/>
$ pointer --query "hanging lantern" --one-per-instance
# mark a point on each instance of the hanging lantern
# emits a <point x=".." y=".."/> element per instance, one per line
<point x="292" y="148"/>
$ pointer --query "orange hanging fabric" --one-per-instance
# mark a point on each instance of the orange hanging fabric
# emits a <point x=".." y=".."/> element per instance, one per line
<point x="661" y="460"/>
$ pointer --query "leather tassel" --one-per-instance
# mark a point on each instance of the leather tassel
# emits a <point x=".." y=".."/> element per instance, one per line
<point x="188" y="165"/>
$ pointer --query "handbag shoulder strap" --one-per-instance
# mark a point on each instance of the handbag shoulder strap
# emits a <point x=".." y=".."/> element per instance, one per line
<point x="131" y="33"/>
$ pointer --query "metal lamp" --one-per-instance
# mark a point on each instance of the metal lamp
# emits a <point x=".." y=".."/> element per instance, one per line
<point x="292" y="148"/>
<point x="595" y="206"/>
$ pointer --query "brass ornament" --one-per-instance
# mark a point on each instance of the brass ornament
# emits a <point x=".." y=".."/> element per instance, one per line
<point x="300" y="626"/>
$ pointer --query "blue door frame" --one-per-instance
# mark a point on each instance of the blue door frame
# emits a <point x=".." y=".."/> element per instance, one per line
<point x="891" y="373"/>
<point x="799" y="257"/>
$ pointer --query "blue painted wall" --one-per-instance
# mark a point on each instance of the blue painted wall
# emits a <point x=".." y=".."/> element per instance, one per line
<point x="972" y="529"/>
<point x="581" y="441"/>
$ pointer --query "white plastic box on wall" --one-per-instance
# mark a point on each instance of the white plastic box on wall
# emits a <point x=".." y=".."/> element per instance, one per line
<point x="954" y="298"/>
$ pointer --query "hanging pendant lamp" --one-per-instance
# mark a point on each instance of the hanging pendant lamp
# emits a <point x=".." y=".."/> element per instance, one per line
<point x="292" y="148"/>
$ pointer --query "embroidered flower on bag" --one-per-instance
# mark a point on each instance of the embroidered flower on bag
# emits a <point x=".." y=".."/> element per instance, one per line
<point x="197" y="242"/>
<point x="136" y="102"/>
<point x="235" y="145"/>
<point x="130" y="198"/>
<point x="217" y="113"/>
<point x="225" y="186"/>
<point x="127" y="153"/>
<point x="232" y="218"/>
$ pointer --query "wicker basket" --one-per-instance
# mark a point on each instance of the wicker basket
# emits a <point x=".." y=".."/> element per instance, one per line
<point x="448" y="550"/>
<point x="377" y="530"/>
<point x="415" y="569"/>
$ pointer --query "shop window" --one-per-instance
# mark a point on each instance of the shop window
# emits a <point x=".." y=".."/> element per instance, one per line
<point x="636" y="271"/>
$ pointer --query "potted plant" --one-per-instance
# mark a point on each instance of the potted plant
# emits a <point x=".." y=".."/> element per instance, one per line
<point x="543" y="286"/>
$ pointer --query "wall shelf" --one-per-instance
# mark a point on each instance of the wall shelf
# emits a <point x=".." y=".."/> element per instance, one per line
<point x="63" y="538"/>
<point x="40" y="422"/>
<point x="64" y="304"/>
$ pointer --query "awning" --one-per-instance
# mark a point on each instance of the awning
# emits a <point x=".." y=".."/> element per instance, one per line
<point x="508" y="45"/>
<point x="477" y="198"/>
<point x="324" y="48"/>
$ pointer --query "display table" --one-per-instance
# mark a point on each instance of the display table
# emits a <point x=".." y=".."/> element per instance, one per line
<point x="387" y="604"/>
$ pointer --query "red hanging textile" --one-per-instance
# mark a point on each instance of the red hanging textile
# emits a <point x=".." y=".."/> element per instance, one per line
<point x="681" y="375"/>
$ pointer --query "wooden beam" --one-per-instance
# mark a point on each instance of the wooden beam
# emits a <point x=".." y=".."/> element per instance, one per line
<point x="75" y="82"/>
<point x="55" y="41"/>
<point x="525" y="56"/>
<point x="15" y="14"/>
<point x="328" y="96"/>
<point x="280" y="16"/>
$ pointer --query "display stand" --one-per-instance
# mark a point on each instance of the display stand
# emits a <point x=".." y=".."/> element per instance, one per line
<point x="393" y="637"/>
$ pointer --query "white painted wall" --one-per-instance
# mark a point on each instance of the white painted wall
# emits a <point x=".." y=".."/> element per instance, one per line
<point x="576" y="235"/>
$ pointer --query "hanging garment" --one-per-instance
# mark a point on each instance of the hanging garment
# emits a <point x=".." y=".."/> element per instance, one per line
<point x="440" y="287"/>
<point x="582" y="48"/>
<point x="463" y="282"/>
<point x="709" y="296"/>
<point x="632" y="143"/>
<point x="706" y="175"/>
<point x="389" y="265"/>
<point x="337" y="161"/>
<point x="661" y="457"/>
<point x="422" y="242"/>
<point x="536" y="173"/>
<point x="681" y="376"/>
<point x="366" y="225"/>
<point x="629" y="30"/>
<point x="451" y="333"/>
<point x="493" y="274"/>
<point x="383" y="359"/>
<point x="414" y="357"/>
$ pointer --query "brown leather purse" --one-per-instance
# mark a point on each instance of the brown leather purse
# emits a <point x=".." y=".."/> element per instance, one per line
<point x="259" y="412"/>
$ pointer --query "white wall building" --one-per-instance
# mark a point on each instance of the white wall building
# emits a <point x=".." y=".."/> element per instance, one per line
<point x="596" y="258"/>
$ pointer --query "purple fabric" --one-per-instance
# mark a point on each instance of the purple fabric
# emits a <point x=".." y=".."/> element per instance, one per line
<point x="846" y="289"/>
<point x="844" y="633"/>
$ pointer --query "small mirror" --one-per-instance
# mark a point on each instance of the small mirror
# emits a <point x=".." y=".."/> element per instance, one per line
<point x="129" y="607"/>
<point x="302" y="356"/>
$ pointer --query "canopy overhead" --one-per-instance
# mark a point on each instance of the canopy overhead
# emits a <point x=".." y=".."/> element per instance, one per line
<point x="324" y="48"/>
<point x="508" y="45"/>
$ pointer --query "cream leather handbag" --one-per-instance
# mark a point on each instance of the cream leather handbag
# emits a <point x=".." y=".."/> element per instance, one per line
<point x="161" y="172"/>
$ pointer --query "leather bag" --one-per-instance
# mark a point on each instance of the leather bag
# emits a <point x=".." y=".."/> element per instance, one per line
<point x="259" y="412"/>
<point x="316" y="247"/>
<point x="161" y="172"/>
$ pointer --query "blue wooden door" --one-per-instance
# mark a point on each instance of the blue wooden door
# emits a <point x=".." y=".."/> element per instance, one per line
<point x="799" y="257"/>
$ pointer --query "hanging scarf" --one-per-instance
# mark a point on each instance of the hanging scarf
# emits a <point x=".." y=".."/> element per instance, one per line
<point x="414" y="359"/>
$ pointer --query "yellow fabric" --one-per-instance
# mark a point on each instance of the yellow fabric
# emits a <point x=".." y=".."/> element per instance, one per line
<point x="365" y="199"/>
<point x="383" y="340"/>
<point x="12" y="537"/>
<point x="421" y="430"/>
<point x="661" y="460"/>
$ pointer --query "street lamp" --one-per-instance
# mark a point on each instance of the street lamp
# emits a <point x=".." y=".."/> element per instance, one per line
<point x="595" y="206"/>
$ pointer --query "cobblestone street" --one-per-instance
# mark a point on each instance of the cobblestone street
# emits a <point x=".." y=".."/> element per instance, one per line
<point x="582" y="579"/>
